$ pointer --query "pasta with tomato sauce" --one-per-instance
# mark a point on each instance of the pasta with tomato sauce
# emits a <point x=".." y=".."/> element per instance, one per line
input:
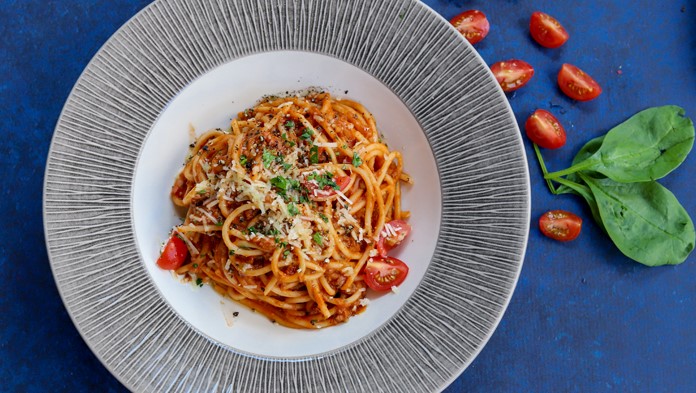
<point x="292" y="210"/>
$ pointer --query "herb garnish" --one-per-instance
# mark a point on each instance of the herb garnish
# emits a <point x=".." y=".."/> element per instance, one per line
<point x="323" y="180"/>
<point x="314" y="154"/>
<point x="317" y="238"/>
<point x="267" y="157"/>
<point x="306" y="134"/>
<point x="356" y="160"/>
<point x="292" y="209"/>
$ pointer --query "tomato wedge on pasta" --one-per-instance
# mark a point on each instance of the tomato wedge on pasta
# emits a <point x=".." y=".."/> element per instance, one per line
<point x="392" y="235"/>
<point x="385" y="273"/>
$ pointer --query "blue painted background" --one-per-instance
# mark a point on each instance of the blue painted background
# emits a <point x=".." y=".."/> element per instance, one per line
<point x="583" y="318"/>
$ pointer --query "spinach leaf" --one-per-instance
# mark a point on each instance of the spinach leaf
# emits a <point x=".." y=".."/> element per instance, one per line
<point x="582" y="190"/>
<point x="644" y="220"/>
<point x="573" y="184"/>
<point x="645" y="147"/>
<point x="586" y="151"/>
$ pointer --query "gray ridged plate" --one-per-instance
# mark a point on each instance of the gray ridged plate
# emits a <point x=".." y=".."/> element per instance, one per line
<point x="402" y="43"/>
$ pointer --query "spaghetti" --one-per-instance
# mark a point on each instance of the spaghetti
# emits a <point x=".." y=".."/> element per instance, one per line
<point x="286" y="208"/>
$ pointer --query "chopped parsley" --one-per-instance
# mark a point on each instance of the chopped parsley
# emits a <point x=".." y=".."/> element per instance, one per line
<point x="314" y="154"/>
<point x="290" y="124"/>
<point x="284" y="184"/>
<point x="252" y="229"/>
<point x="243" y="160"/>
<point x="292" y="209"/>
<point x="231" y="252"/>
<point x="195" y="266"/>
<point x="284" y="136"/>
<point x="267" y="158"/>
<point x="306" y="134"/>
<point x="219" y="223"/>
<point x="281" y="244"/>
<point x="286" y="253"/>
<point x="323" y="217"/>
<point x="317" y="238"/>
<point x="356" y="160"/>
<point x="324" y="180"/>
<point x="199" y="282"/>
<point x="281" y="183"/>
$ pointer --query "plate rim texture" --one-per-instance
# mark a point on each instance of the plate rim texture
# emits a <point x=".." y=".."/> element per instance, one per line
<point x="404" y="44"/>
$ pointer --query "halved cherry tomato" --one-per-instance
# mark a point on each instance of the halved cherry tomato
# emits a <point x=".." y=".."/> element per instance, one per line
<point x="576" y="84"/>
<point x="383" y="273"/>
<point x="328" y="191"/>
<point x="545" y="130"/>
<point x="547" y="31"/>
<point x="560" y="225"/>
<point x="512" y="74"/>
<point x="389" y="239"/>
<point x="174" y="254"/>
<point x="473" y="24"/>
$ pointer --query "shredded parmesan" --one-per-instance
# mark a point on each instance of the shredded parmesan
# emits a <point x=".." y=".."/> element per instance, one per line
<point x="208" y="215"/>
<point x="342" y="195"/>
<point x="331" y="145"/>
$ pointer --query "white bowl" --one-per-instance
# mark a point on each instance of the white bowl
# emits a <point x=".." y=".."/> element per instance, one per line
<point x="211" y="101"/>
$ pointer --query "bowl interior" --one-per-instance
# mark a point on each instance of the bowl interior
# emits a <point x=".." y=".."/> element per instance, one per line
<point x="211" y="101"/>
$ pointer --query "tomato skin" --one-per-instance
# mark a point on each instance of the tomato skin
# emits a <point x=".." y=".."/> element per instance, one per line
<point x="547" y="31"/>
<point x="560" y="225"/>
<point x="545" y="130"/>
<point x="473" y="25"/>
<point x="512" y="74"/>
<point x="173" y="255"/>
<point x="576" y="84"/>
<point x="342" y="182"/>
<point x="381" y="274"/>
<point x="386" y="243"/>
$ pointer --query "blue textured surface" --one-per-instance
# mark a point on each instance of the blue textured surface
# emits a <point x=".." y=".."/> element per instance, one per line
<point x="583" y="318"/>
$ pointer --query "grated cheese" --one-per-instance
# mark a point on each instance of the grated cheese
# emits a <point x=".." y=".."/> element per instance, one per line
<point x="332" y="145"/>
<point x="342" y="195"/>
<point x="207" y="214"/>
